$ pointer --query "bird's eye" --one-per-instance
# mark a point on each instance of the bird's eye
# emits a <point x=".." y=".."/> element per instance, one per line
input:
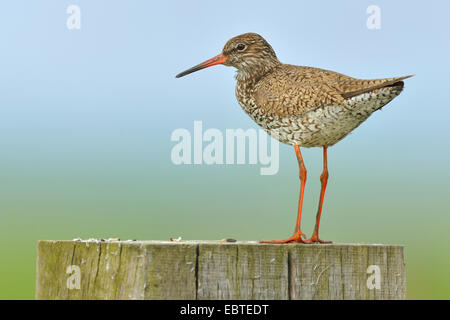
<point x="241" y="46"/>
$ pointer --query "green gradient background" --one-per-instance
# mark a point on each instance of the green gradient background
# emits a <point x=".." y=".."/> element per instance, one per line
<point x="87" y="117"/>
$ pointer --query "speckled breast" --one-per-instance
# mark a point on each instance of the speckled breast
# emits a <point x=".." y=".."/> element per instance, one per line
<point x="323" y="126"/>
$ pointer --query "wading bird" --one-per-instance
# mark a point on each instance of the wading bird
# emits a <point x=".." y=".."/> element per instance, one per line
<point x="300" y="106"/>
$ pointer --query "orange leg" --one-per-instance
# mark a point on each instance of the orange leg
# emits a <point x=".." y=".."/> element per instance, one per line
<point x="298" y="236"/>
<point x="323" y="180"/>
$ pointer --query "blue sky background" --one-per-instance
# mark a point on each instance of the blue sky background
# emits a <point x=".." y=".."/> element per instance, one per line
<point x="86" y="117"/>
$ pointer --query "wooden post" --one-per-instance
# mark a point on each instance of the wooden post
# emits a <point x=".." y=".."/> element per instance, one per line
<point x="216" y="270"/>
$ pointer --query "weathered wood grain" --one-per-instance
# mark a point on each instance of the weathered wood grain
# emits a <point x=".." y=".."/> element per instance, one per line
<point x="216" y="270"/>
<point x="243" y="271"/>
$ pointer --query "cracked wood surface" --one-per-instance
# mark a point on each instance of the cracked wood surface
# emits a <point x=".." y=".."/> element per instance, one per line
<point x="216" y="270"/>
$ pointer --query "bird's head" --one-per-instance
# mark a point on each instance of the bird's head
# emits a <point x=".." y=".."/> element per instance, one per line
<point x="249" y="53"/>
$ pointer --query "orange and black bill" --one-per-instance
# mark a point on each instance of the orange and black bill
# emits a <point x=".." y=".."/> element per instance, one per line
<point x="220" y="59"/>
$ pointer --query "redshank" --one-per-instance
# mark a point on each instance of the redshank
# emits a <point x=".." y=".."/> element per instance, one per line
<point x="300" y="106"/>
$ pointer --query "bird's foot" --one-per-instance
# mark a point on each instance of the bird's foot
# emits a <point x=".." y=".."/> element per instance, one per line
<point x="296" y="238"/>
<point x="315" y="239"/>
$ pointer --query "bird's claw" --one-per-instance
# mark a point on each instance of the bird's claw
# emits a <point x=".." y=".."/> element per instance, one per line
<point x="315" y="239"/>
<point x="297" y="237"/>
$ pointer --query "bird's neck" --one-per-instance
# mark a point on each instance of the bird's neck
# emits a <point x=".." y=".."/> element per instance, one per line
<point x="252" y="72"/>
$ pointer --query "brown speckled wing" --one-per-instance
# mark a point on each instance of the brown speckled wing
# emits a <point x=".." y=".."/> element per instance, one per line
<point x="294" y="90"/>
<point x="370" y="85"/>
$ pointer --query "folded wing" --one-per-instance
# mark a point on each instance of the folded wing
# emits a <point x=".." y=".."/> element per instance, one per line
<point x="294" y="90"/>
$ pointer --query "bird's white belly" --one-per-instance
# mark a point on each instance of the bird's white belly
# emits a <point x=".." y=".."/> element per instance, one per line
<point x="323" y="126"/>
